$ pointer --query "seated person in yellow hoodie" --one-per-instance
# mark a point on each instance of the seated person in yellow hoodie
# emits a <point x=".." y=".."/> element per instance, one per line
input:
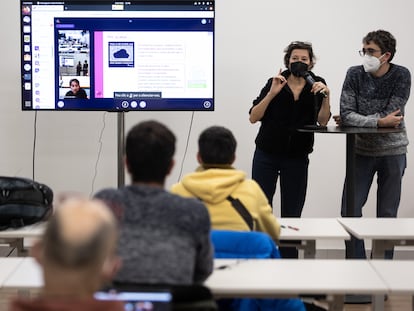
<point x="220" y="186"/>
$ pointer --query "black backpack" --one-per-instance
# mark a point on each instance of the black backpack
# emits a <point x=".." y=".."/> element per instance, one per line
<point x="23" y="202"/>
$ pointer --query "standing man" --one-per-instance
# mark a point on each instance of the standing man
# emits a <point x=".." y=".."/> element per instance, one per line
<point x="374" y="95"/>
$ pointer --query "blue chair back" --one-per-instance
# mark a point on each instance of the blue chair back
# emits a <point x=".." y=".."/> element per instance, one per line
<point x="243" y="244"/>
<point x="250" y="244"/>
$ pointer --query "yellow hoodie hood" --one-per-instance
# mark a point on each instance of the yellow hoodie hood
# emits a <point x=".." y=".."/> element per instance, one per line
<point x="213" y="185"/>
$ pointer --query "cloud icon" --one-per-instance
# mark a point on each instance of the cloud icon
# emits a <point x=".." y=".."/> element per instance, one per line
<point x="122" y="53"/>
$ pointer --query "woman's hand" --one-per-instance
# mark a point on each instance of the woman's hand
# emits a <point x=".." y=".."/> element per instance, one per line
<point x="319" y="87"/>
<point x="278" y="82"/>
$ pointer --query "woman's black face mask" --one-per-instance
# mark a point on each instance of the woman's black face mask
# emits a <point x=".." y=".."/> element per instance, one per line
<point x="298" y="68"/>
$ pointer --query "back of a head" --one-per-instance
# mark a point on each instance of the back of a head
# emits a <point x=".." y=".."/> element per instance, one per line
<point x="80" y="235"/>
<point x="217" y="145"/>
<point x="150" y="148"/>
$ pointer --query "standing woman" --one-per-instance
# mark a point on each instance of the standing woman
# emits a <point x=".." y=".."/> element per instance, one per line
<point x="287" y="102"/>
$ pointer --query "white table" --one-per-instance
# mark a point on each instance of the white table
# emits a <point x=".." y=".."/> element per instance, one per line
<point x="309" y="230"/>
<point x="25" y="280"/>
<point x="8" y="266"/>
<point x="281" y="278"/>
<point x="385" y="233"/>
<point x="257" y="278"/>
<point x="27" y="275"/>
<point x="15" y="237"/>
<point x="398" y="275"/>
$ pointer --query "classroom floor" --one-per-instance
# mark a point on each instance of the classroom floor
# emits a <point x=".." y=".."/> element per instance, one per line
<point x="394" y="303"/>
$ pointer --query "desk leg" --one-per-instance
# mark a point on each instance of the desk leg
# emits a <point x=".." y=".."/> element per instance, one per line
<point x="378" y="304"/>
<point x="19" y="245"/>
<point x="336" y="303"/>
<point x="350" y="175"/>
<point x="412" y="303"/>
<point x="350" y="186"/>
<point x="378" y="249"/>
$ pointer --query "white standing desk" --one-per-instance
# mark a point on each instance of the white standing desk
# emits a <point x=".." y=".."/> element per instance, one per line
<point x="309" y="230"/>
<point x="384" y="232"/>
<point x="281" y="278"/>
<point x="15" y="237"/>
<point x="398" y="275"/>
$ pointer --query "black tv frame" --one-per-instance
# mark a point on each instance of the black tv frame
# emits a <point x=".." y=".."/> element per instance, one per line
<point x="178" y="77"/>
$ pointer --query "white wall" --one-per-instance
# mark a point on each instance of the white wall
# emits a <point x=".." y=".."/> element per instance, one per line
<point x="250" y="38"/>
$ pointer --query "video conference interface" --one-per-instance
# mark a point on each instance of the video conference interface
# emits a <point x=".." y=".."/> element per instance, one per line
<point x="116" y="56"/>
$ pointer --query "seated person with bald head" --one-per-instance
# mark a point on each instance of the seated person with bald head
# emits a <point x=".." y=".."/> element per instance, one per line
<point x="77" y="254"/>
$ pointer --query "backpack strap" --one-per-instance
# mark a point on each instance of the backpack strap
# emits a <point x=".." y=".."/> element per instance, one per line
<point x="242" y="210"/>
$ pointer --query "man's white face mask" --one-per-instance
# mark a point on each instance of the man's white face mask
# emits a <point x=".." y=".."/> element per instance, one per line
<point x="371" y="63"/>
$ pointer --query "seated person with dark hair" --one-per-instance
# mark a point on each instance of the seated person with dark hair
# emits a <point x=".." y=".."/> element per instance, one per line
<point x="75" y="90"/>
<point x="165" y="238"/>
<point x="77" y="254"/>
<point x="222" y="187"/>
<point x="217" y="184"/>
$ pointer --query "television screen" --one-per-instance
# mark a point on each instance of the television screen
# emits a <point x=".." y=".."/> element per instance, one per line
<point x="117" y="55"/>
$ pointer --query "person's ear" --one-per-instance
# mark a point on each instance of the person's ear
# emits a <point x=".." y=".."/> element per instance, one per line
<point x="36" y="251"/>
<point x="110" y="267"/>
<point x="172" y="163"/>
<point x="234" y="159"/>
<point x="200" y="161"/>
<point x="127" y="164"/>
<point x="311" y="65"/>
<point x="387" y="56"/>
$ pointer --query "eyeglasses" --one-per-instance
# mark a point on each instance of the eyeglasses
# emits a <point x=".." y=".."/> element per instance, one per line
<point x="368" y="51"/>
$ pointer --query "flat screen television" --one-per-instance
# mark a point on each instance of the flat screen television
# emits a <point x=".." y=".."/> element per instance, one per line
<point x="117" y="55"/>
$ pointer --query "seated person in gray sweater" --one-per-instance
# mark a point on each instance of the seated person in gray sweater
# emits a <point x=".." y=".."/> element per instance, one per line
<point x="164" y="238"/>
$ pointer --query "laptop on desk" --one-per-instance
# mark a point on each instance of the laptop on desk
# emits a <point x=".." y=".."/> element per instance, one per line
<point x="158" y="300"/>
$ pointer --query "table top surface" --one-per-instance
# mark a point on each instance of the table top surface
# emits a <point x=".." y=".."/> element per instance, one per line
<point x="31" y="231"/>
<point x="28" y="274"/>
<point x="350" y="129"/>
<point x="312" y="229"/>
<point x="379" y="228"/>
<point x="8" y="265"/>
<point x="267" y="277"/>
<point x="264" y="278"/>
<point x="398" y="275"/>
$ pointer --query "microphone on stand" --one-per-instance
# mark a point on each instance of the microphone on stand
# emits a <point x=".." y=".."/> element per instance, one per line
<point x="310" y="80"/>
